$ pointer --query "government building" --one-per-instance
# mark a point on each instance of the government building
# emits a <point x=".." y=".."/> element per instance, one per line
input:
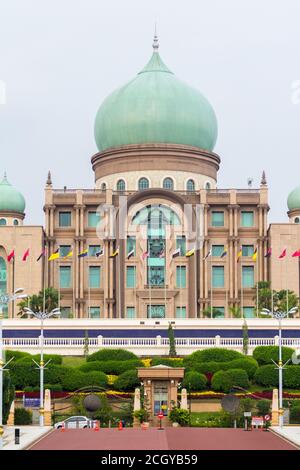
<point x="154" y="237"/>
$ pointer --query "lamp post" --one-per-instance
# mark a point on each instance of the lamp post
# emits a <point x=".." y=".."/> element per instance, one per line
<point x="280" y="366"/>
<point x="41" y="366"/>
<point x="5" y="299"/>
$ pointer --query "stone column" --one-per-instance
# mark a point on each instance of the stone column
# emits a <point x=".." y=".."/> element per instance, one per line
<point x="136" y="406"/>
<point x="47" y="408"/>
<point x="183" y="402"/>
<point x="275" y="408"/>
<point x="11" y="416"/>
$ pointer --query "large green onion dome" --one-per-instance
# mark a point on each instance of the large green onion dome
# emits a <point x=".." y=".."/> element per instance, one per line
<point x="293" y="201"/>
<point x="11" y="200"/>
<point x="156" y="107"/>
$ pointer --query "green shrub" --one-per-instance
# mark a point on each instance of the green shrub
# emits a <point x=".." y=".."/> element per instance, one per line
<point x="265" y="354"/>
<point x="27" y="374"/>
<point x="54" y="387"/>
<point x="8" y="395"/>
<point x="112" y="355"/>
<point x="212" y="355"/>
<point x="194" y="381"/>
<point x="295" y="415"/>
<point x="263" y="407"/>
<point x="248" y="364"/>
<point x="267" y="376"/>
<point x="111" y="367"/>
<point x="178" y="362"/>
<point x="207" y="367"/>
<point x="76" y="380"/>
<point x="224" y="381"/>
<point x="16" y="355"/>
<point x="127" y="381"/>
<point x="180" y="416"/>
<point x="23" y="416"/>
<point x="291" y="377"/>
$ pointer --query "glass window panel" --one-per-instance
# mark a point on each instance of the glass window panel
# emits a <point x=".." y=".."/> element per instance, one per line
<point x="94" y="276"/>
<point x="2" y="221"/>
<point x="181" y="243"/>
<point x="168" y="183"/>
<point x="218" y="312"/>
<point x="65" y="312"/>
<point x="156" y="275"/>
<point x="217" y="250"/>
<point x="130" y="312"/>
<point x="93" y="219"/>
<point x="217" y="219"/>
<point x="65" y="219"/>
<point x="247" y="218"/>
<point x="131" y="244"/>
<point x="247" y="250"/>
<point x="94" y="312"/>
<point x="180" y="312"/>
<point x="143" y="184"/>
<point x="249" y="312"/>
<point x="248" y="276"/>
<point x="121" y="185"/>
<point x="190" y="185"/>
<point x="93" y="249"/>
<point x="65" y="277"/>
<point x="155" y="311"/>
<point x="181" y="276"/>
<point x="64" y="250"/>
<point x="130" y="276"/>
<point x="218" y="276"/>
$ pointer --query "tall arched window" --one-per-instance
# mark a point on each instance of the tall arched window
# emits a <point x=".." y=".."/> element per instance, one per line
<point x="168" y="183"/>
<point x="297" y="220"/>
<point x="103" y="186"/>
<point x="121" y="185"/>
<point x="190" y="185"/>
<point x="2" y="221"/>
<point x="143" y="184"/>
<point x="207" y="185"/>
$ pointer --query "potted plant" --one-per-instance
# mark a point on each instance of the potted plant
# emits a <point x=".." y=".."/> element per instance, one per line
<point x="179" y="417"/>
<point x="142" y="415"/>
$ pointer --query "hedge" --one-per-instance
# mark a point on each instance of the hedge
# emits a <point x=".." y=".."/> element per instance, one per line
<point x="127" y="381"/>
<point x="111" y="367"/>
<point x="165" y="361"/>
<point x="194" y="381"/>
<point x="226" y="380"/>
<point x="248" y="364"/>
<point x="27" y="374"/>
<point x="76" y="380"/>
<point x="53" y="358"/>
<point x="112" y="355"/>
<point x="267" y="354"/>
<point x="16" y="355"/>
<point x="295" y="415"/>
<point x="212" y="355"/>
<point x="291" y="376"/>
<point x="268" y="376"/>
<point x="23" y="416"/>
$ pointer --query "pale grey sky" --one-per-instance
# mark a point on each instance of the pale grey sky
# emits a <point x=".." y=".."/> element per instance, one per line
<point x="60" y="59"/>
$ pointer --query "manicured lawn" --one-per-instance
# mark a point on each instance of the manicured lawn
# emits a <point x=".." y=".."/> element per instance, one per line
<point x="73" y="361"/>
<point x="198" y="418"/>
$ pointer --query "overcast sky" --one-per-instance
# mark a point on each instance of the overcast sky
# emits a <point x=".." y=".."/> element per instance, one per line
<point x="60" y="59"/>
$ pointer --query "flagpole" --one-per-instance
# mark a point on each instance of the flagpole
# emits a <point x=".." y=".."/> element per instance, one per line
<point x="287" y="292"/>
<point x="13" y="288"/>
<point x="44" y="280"/>
<point x="165" y="257"/>
<point x="119" y="263"/>
<point x="195" y="268"/>
<point x="58" y="269"/>
<point x="257" y="290"/>
<point x="242" y="293"/>
<point x="226" y="293"/>
<point x="211" y="289"/>
<point x="73" y="279"/>
<point x="89" y="289"/>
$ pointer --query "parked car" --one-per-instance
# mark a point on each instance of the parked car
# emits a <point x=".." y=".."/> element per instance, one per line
<point x="74" y="422"/>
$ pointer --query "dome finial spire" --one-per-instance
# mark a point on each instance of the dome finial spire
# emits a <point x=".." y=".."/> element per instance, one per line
<point x="155" y="44"/>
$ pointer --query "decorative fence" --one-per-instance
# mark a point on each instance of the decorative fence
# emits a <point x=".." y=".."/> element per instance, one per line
<point x="140" y="346"/>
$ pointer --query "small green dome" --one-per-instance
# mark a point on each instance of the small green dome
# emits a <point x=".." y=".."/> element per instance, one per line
<point x="293" y="201"/>
<point x="155" y="107"/>
<point x="11" y="200"/>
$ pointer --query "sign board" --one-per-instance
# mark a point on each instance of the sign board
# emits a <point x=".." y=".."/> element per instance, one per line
<point x="247" y="414"/>
<point x="160" y="415"/>
<point x="31" y="402"/>
<point x="257" y="421"/>
<point x="267" y="417"/>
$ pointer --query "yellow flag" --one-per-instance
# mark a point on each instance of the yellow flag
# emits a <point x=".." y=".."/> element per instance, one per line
<point x="54" y="256"/>
<point x="190" y="253"/>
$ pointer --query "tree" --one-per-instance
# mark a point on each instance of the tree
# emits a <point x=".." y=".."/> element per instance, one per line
<point x="36" y="301"/>
<point x="245" y="338"/>
<point x="236" y="312"/>
<point x="279" y="301"/>
<point x="284" y="301"/>
<point x="172" y="346"/>
<point x="8" y="395"/>
<point x="263" y="293"/>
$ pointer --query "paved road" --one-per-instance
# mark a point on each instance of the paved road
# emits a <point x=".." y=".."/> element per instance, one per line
<point x="168" y="439"/>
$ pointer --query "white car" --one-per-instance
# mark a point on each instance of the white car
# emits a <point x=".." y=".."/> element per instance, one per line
<point x="74" y="422"/>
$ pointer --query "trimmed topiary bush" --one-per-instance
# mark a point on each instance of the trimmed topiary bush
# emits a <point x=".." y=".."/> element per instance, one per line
<point x="267" y="376"/>
<point x="212" y="355"/>
<point x="23" y="416"/>
<point x="248" y="364"/>
<point x="224" y="381"/>
<point x="75" y="380"/>
<point x="265" y="354"/>
<point x="178" y="362"/>
<point x="127" y="381"/>
<point x="112" y="355"/>
<point x="207" y="367"/>
<point x="16" y="355"/>
<point x="194" y="381"/>
<point x="111" y="367"/>
<point x="263" y="407"/>
<point x="55" y="359"/>
<point x="295" y="415"/>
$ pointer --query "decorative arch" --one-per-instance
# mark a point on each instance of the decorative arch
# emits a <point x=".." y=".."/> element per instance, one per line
<point x="143" y="183"/>
<point x="168" y="183"/>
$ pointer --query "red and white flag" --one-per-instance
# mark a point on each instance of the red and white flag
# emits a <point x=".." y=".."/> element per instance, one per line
<point x="11" y="256"/>
<point x="145" y="255"/>
<point x="26" y="254"/>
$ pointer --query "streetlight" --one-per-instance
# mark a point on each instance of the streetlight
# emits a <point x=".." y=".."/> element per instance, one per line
<point x="279" y="316"/>
<point x="41" y="366"/>
<point x="4" y="300"/>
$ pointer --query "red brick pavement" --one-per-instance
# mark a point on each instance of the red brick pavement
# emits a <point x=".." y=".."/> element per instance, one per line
<point x="167" y="439"/>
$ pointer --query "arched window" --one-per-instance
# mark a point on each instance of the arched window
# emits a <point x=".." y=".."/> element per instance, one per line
<point x="190" y="185"/>
<point x="16" y="222"/>
<point x="2" y="221"/>
<point x="297" y="220"/>
<point x="168" y="183"/>
<point x="143" y="184"/>
<point x="121" y="185"/>
<point x="207" y="185"/>
<point x="3" y="283"/>
<point x="103" y="186"/>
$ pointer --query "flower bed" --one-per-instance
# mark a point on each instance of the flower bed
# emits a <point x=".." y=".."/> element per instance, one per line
<point x="109" y="394"/>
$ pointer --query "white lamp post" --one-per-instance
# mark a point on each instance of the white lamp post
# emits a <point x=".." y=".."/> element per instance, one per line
<point x="41" y="366"/>
<point x="5" y="299"/>
<point x="280" y="366"/>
